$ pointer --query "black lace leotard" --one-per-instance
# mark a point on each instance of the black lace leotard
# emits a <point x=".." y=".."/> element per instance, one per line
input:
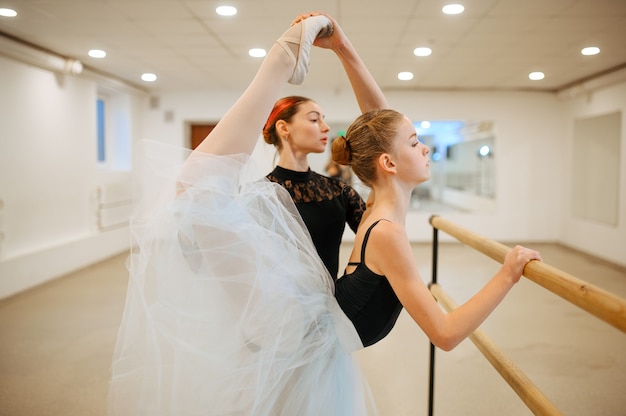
<point x="368" y="300"/>
<point x="325" y="205"/>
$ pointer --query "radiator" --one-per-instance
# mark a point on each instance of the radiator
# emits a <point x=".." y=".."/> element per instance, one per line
<point x="113" y="205"/>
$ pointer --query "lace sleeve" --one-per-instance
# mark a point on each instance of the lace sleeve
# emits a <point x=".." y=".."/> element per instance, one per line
<point x="355" y="207"/>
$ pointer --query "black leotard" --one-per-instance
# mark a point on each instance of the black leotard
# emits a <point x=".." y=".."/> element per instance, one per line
<point x="325" y="205"/>
<point x="368" y="300"/>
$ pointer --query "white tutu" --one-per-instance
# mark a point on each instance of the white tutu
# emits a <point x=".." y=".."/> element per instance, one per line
<point x="229" y="309"/>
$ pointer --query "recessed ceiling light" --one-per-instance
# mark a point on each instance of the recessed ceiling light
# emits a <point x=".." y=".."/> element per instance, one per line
<point x="422" y="51"/>
<point x="257" y="52"/>
<point x="148" y="77"/>
<point x="453" y="9"/>
<point x="8" y="12"/>
<point x="97" y="53"/>
<point x="405" y="76"/>
<point x="226" y="10"/>
<point x="536" y="76"/>
<point x="590" y="50"/>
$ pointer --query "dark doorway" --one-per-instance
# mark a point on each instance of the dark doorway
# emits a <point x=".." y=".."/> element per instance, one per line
<point x="199" y="133"/>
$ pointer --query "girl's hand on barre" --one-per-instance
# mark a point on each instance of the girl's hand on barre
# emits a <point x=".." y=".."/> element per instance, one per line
<point x="516" y="259"/>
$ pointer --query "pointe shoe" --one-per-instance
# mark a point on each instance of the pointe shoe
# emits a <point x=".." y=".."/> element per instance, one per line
<point x="310" y="29"/>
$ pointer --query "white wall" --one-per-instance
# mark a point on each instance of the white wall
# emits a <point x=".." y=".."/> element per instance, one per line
<point x="49" y="176"/>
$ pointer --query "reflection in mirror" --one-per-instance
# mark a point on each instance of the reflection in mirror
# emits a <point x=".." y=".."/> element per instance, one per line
<point x="462" y="167"/>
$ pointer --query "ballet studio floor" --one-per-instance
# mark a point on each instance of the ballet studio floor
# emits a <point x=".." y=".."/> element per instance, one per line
<point x="56" y="342"/>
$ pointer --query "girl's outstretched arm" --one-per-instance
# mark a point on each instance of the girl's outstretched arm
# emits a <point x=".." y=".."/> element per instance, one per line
<point x="367" y="92"/>
<point x="390" y="254"/>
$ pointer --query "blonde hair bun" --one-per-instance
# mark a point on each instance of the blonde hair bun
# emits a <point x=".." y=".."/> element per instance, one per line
<point x="340" y="151"/>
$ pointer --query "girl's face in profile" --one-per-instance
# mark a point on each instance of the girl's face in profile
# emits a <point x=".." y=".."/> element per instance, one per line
<point x="308" y="132"/>
<point x="413" y="163"/>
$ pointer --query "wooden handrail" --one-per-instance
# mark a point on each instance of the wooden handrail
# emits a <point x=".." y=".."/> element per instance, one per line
<point x="519" y="382"/>
<point x="598" y="302"/>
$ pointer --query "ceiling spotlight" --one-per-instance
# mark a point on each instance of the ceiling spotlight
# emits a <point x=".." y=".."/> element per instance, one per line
<point x="226" y="10"/>
<point x="257" y="52"/>
<point x="97" y="53"/>
<point x="536" y="76"/>
<point x="422" y="51"/>
<point x="8" y="13"/>
<point x="405" y="76"/>
<point x="591" y="50"/>
<point x="148" y="77"/>
<point x="453" y="9"/>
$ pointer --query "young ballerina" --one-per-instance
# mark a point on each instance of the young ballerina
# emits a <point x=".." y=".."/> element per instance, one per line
<point x="326" y="204"/>
<point x="382" y="275"/>
<point x="229" y="308"/>
<point x="296" y="127"/>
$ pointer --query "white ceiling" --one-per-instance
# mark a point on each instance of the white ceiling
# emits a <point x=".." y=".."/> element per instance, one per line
<point x="493" y="45"/>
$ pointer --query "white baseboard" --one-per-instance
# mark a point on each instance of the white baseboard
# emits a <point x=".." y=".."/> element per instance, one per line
<point x="23" y="272"/>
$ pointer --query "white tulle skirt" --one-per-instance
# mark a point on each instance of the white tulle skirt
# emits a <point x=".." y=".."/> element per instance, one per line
<point x="229" y="309"/>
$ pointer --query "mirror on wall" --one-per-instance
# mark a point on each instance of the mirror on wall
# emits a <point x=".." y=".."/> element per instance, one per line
<point x="463" y="173"/>
<point x="596" y="168"/>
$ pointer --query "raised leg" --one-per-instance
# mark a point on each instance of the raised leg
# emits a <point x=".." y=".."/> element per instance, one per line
<point x="287" y="61"/>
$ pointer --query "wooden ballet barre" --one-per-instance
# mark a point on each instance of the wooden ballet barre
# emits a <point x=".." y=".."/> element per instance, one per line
<point x="519" y="382"/>
<point x="598" y="302"/>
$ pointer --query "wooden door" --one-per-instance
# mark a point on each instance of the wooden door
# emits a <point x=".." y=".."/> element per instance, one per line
<point x="199" y="132"/>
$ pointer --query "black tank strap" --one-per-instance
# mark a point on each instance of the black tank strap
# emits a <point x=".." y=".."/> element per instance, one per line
<point x="367" y="236"/>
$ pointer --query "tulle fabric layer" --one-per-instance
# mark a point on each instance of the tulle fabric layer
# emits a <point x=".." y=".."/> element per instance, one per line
<point x="229" y="309"/>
